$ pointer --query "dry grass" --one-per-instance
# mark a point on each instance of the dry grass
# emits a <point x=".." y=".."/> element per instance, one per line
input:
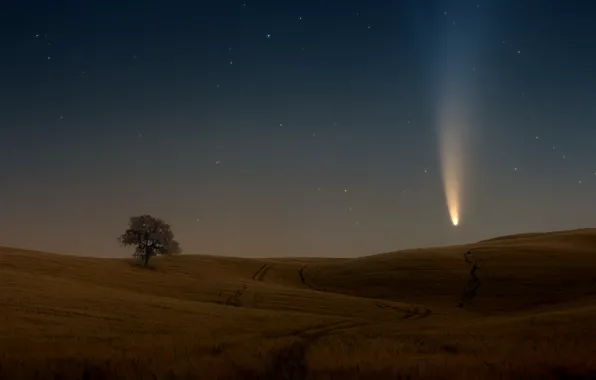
<point x="393" y="315"/>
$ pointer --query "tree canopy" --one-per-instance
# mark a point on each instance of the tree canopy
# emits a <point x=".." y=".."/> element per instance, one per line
<point x="150" y="236"/>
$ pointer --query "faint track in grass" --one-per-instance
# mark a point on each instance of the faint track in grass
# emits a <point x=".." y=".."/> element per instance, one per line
<point x="322" y="327"/>
<point x="260" y="274"/>
<point x="303" y="280"/>
<point x="412" y="314"/>
<point x="473" y="283"/>
<point x="289" y="362"/>
<point x="234" y="299"/>
<point x="56" y="312"/>
<point x="416" y="313"/>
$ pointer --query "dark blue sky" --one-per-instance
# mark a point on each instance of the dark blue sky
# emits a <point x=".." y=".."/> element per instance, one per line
<point x="243" y="124"/>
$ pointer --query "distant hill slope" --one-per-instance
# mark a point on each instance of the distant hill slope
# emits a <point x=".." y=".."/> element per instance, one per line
<point x="579" y="234"/>
<point x="514" y="273"/>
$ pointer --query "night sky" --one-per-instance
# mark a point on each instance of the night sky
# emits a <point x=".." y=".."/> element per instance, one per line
<point x="293" y="128"/>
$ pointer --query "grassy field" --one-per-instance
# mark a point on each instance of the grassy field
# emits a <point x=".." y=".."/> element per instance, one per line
<point x="519" y="307"/>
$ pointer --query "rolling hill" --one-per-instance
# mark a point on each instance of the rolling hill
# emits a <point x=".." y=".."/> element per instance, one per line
<point x="512" y="307"/>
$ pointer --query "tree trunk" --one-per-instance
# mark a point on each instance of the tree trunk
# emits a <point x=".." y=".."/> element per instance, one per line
<point x="146" y="256"/>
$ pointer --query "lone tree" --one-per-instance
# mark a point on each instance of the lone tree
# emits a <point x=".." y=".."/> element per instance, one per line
<point x="150" y="236"/>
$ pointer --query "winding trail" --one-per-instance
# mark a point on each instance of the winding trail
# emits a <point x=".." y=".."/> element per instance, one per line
<point x="260" y="274"/>
<point x="415" y="313"/>
<point x="303" y="280"/>
<point x="473" y="283"/>
<point x="289" y="362"/>
<point x="234" y="299"/>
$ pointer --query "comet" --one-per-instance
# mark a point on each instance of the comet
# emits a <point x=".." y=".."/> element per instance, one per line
<point x="451" y="134"/>
<point x="453" y="120"/>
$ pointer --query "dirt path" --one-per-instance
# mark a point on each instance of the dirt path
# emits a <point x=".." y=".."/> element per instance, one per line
<point x="473" y="283"/>
<point x="289" y="362"/>
<point x="260" y="274"/>
<point x="234" y="299"/>
<point x="303" y="280"/>
<point x="415" y="313"/>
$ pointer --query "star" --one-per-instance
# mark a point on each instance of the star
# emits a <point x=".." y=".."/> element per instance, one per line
<point x="519" y="52"/>
<point x="49" y="57"/>
<point x="231" y="62"/>
<point x="515" y="169"/>
<point x="346" y="190"/>
<point x="217" y="162"/>
<point x="268" y="35"/>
